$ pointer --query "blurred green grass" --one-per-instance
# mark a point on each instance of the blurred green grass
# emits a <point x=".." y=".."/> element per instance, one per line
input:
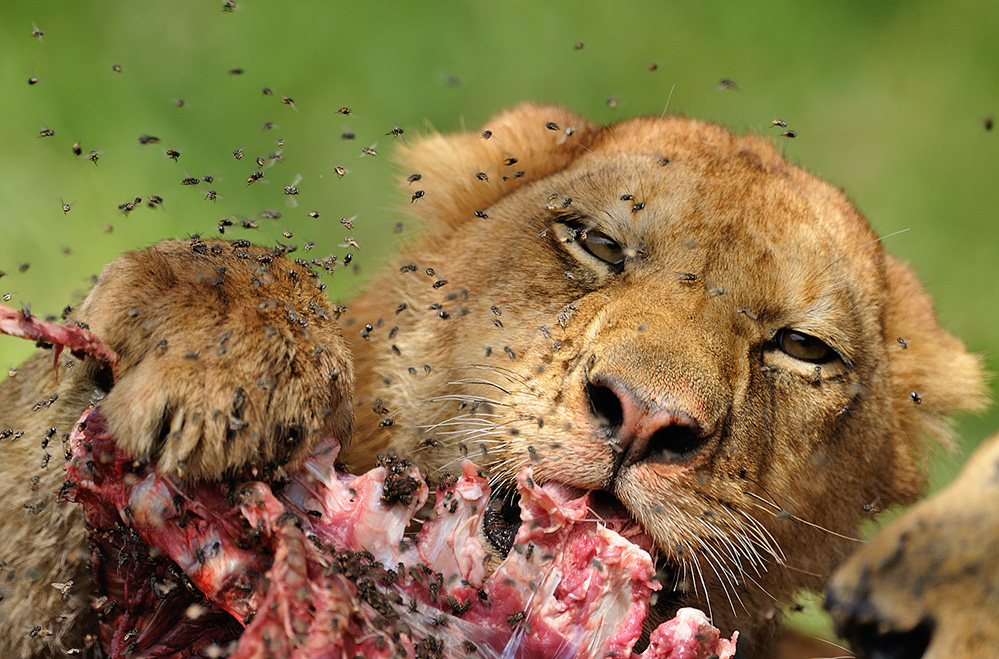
<point x="889" y="101"/>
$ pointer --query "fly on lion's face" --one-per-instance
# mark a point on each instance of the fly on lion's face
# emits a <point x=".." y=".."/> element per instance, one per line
<point x="721" y="363"/>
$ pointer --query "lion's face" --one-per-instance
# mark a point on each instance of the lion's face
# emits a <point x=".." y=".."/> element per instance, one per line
<point x="669" y="313"/>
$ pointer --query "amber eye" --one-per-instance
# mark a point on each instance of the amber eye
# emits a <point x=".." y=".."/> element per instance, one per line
<point x="604" y="248"/>
<point x="803" y="346"/>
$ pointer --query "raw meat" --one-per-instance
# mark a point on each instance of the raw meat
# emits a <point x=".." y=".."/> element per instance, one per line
<point x="81" y="342"/>
<point x="318" y="564"/>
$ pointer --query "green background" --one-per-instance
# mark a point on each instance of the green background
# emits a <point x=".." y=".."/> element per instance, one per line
<point x="889" y="100"/>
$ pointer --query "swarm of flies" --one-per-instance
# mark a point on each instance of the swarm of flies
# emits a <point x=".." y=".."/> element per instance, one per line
<point x="259" y="160"/>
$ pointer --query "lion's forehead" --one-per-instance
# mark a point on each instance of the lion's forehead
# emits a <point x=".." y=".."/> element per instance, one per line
<point x="713" y="191"/>
<point x="773" y="233"/>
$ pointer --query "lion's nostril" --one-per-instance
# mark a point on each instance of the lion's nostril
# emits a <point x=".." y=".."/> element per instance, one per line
<point x="606" y="406"/>
<point x="641" y="428"/>
<point x="672" y="441"/>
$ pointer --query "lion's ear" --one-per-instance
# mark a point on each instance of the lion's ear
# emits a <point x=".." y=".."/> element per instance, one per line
<point x="464" y="173"/>
<point x="932" y="373"/>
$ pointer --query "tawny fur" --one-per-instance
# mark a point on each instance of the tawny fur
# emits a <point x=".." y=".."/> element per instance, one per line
<point x="929" y="578"/>
<point x="230" y="361"/>
<point x="489" y="346"/>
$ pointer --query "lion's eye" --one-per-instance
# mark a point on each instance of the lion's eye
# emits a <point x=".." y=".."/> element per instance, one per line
<point x="804" y="346"/>
<point x="604" y="248"/>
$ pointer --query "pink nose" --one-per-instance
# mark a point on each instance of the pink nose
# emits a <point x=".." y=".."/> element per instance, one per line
<point x="643" y="430"/>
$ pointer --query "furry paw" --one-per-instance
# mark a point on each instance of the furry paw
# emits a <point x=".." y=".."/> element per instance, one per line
<point x="230" y="358"/>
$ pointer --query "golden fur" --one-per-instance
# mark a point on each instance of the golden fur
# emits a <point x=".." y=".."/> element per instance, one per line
<point x="664" y="379"/>
<point x="230" y="360"/>
<point x="926" y="584"/>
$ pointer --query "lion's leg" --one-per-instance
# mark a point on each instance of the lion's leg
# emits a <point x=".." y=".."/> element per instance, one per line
<point x="231" y="362"/>
<point x="42" y="540"/>
<point x="926" y="584"/>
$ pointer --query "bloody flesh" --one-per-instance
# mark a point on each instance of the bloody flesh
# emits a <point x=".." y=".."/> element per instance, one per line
<point x="81" y="342"/>
<point x="319" y="565"/>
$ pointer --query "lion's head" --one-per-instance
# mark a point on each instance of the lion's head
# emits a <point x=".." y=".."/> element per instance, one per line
<point x="672" y="314"/>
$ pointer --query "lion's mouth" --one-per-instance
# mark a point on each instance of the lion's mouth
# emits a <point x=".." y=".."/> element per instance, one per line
<point x="502" y="521"/>
<point x="503" y="517"/>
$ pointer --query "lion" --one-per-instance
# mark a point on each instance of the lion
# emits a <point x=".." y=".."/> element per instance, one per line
<point x="658" y="310"/>
<point x="925" y="585"/>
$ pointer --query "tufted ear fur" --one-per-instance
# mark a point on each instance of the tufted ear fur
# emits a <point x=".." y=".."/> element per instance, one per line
<point x="469" y="172"/>
<point x="934" y="365"/>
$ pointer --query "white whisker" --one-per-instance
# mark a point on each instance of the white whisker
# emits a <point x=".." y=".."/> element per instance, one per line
<point x="700" y="575"/>
<point x="507" y="373"/>
<point x="476" y="381"/>
<point x="800" y="520"/>
<point x="464" y="398"/>
<point x="764" y="590"/>
<point x="861" y="246"/>
<point x="713" y="561"/>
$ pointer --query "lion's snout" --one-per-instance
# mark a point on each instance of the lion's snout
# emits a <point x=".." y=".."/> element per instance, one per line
<point x="656" y="401"/>
<point x="640" y="428"/>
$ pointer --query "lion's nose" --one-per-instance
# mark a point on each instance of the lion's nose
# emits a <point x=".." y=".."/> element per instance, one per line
<point x="640" y="428"/>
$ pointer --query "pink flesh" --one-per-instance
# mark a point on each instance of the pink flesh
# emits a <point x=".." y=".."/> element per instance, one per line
<point x="322" y="567"/>
<point x="689" y="635"/>
<point x="80" y="342"/>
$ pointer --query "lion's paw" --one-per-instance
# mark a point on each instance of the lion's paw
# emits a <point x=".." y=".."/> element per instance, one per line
<point x="231" y="359"/>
